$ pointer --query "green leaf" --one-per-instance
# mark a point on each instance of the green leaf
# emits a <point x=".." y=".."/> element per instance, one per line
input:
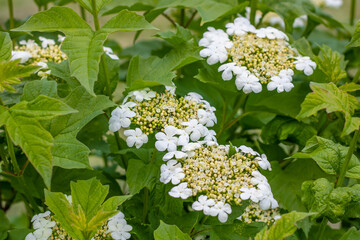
<point x="351" y="234"/>
<point x="4" y="225"/>
<point x="140" y="175"/>
<point x="10" y="72"/>
<point x="22" y="123"/>
<point x="154" y="71"/>
<point x="355" y="40"/>
<point x="283" y="128"/>
<point x="329" y="97"/>
<point x="39" y="87"/>
<point x="238" y="231"/>
<point x="350" y="87"/>
<point x="286" y="183"/>
<point x="68" y="152"/>
<point x="82" y="45"/>
<point x="5" y="46"/>
<point x="329" y="156"/>
<point x="330" y="66"/>
<point x="166" y="232"/>
<point x="88" y="5"/>
<point x="283" y="227"/>
<point x="320" y="196"/>
<point x="63" y="211"/>
<point x="83" y="190"/>
<point x="113" y="202"/>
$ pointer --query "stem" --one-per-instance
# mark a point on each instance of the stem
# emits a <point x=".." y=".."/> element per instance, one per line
<point x="322" y="228"/>
<point x="253" y="5"/>
<point x="11" y="14"/>
<point x="107" y="77"/>
<point x="146" y="190"/>
<point x="190" y="19"/>
<point x="349" y="154"/>
<point x="182" y="17"/>
<point x="83" y="13"/>
<point x="352" y="12"/>
<point x="169" y="18"/>
<point x="12" y="152"/>
<point x="357" y="76"/>
<point x="95" y="15"/>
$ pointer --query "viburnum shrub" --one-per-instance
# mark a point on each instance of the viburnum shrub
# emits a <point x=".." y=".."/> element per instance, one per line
<point x="213" y="119"/>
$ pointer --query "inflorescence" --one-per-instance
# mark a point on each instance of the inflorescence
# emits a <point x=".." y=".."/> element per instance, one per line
<point x="47" y="228"/>
<point x="255" y="57"/>
<point x="146" y="112"/>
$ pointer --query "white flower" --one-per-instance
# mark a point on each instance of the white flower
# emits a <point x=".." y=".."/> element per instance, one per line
<point x="46" y="42"/>
<point x="277" y="217"/>
<point x="43" y="65"/>
<point x="40" y="234"/>
<point x="171" y="171"/>
<point x="22" y="55"/>
<point x="120" y="118"/>
<point x="221" y="210"/>
<point x="239" y="27"/>
<point x="168" y="140"/>
<point x="203" y="204"/>
<point x="263" y="162"/>
<point x="118" y="227"/>
<point x="210" y="136"/>
<point x="136" y="137"/>
<point x="69" y="198"/>
<point x="140" y="95"/>
<point x="277" y="20"/>
<point x="110" y="53"/>
<point x="258" y="178"/>
<point x="194" y="129"/>
<point x="176" y="154"/>
<point x="246" y="149"/>
<point x="191" y="147"/>
<point x="300" y="21"/>
<point x="29" y="43"/>
<point x="30" y="236"/>
<point x="305" y="64"/>
<point x="229" y="69"/>
<point x="181" y="191"/>
<point x="193" y="96"/>
<point x="333" y="3"/>
<point x="271" y="33"/>
<point x="251" y="193"/>
<point x="215" y="54"/>
<point x="248" y="82"/>
<point x="215" y="37"/>
<point x="61" y="38"/>
<point x="281" y="82"/>
<point x="171" y="89"/>
<point x="267" y="201"/>
<point x="207" y="118"/>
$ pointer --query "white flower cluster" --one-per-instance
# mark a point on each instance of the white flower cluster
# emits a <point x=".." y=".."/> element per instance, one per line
<point x="204" y="169"/>
<point x="46" y="228"/>
<point x="176" y="121"/>
<point x="29" y="52"/>
<point x="328" y="3"/>
<point x="254" y="56"/>
<point x="254" y="213"/>
<point x="43" y="226"/>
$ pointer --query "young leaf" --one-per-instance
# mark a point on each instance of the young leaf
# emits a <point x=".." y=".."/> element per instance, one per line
<point x="165" y="232"/>
<point x="25" y="130"/>
<point x="329" y="97"/>
<point x="283" y="227"/>
<point x="140" y="175"/>
<point x="329" y="156"/>
<point x="355" y="40"/>
<point x="88" y="5"/>
<point x="330" y="66"/>
<point x="82" y="45"/>
<point x="84" y="190"/>
<point x="5" y="46"/>
<point x="10" y="72"/>
<point x="352" y="233"/>
<point x="320" y="196"/>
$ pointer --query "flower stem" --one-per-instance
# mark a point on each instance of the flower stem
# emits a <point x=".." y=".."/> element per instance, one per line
<point x="352" y="12"/>
<point x="253" y="6"/>
<point x="11" y="14"/>
<point x="182" y="17"/>
<point x="349" y="154"/>
<point x="321" y="231"/>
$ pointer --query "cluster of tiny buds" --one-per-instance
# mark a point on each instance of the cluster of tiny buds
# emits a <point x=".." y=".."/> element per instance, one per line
<point x="253" y="213"/>
<point x="146" y="112"/>
<point x="255" y="57"/>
